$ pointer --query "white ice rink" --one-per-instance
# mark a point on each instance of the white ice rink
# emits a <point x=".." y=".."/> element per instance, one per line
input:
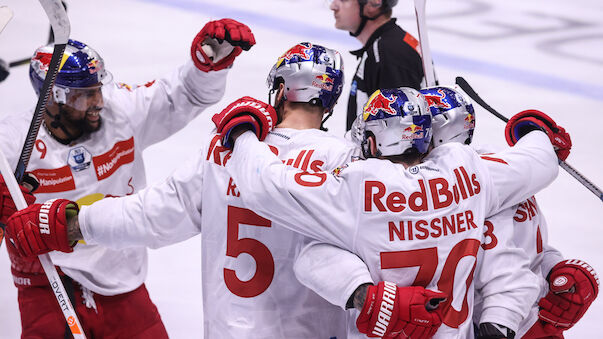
<point x="517" y="54"/>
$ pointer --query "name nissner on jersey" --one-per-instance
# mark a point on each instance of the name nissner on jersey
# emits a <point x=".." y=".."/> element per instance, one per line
<point x="436" y="193"/>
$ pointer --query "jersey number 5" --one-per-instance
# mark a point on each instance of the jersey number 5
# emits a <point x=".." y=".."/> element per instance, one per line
<point x="264" y="263"/>
<point x="427" y="261"/>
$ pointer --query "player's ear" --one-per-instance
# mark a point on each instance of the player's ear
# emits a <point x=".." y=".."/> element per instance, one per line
<point x="372" y="145"/>
<point x="280" y="93"/>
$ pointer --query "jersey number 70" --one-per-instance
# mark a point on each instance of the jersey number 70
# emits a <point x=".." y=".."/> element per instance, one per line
<point x="427" y="261"/>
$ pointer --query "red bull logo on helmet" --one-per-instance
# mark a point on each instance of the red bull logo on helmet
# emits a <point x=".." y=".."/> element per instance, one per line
<point x="379" y="103"/>
<point x="42" y="61"/>
<point x="412" y="132"/>
<point x="323" y="81"/>
<point x="437" y="100"/>
<point x="300" y="50"/>
<point x="92" y="66"/>
<point x="469" y="121"/>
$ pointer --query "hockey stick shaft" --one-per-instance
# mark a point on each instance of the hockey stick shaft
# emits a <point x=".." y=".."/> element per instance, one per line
<point x="60" y="25"/>
<point x="464" y="85"/>
<point x="6" y="14"/>
<point x="49" y="269"/>
<point x="26" y="61"/>
<point x="424" y="43"/>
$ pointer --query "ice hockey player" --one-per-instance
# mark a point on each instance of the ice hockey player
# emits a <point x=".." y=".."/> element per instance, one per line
<point x="454" y="121"/>
<point x="247" y="266"/>
<point x="90" y="147"/>
<point x="389" y="57"/>
<point x="408" y="202"/>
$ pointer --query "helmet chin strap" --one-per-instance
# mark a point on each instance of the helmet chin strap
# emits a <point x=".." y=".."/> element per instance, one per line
<point x="364" y="19"/>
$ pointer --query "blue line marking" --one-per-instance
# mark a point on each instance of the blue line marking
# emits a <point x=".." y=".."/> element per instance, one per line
<point x="309" y="32"/>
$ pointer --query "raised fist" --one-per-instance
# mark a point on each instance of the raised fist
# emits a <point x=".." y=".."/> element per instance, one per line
<point x="40" y="228"/>
<point x="219" y="42"/>
<point x="526" y="121"/>
<point x="573" y="286"/>
<point x="258" y="117"/>
<point x="390" y="311"/>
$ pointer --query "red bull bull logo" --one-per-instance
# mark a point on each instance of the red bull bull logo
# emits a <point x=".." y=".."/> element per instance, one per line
<point x="469" y="121"/>
<point x="44" y="60"/>
<point x="379" y="103"/>
<point x="437" y="100"/>
<point x="412" y="132"/>
<point x="323" y="82"/>
<point x="298" y="50"/>
<point x="92" y="66"/>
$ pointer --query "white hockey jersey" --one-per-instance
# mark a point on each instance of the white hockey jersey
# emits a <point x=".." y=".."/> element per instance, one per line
<point x="109" y="163"/>
<point x="249" y="288"/>
<point x="417" y="226"/>
<point x="528" y="229"/>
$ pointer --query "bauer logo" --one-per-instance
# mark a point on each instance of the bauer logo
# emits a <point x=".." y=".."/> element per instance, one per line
<point x="106" y="164"/>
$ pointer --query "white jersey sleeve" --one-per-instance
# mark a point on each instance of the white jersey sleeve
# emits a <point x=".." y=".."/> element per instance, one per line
<point x="318" y="263"/>
<point x="164" y="106"/>
<point x="550" y="255"/>
<point x="159" y="215"/>
<point x="520" y="171"/>
<point x="305" y="202"/>
<point x="506" y="288"/>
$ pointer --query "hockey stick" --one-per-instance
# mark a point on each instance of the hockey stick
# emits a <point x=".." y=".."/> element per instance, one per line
<point x="5" y="66"/>
<point x="60" y="23"/>
<point x="61" y="28"/>
<point x="464" y="85"/>
<point x="5" y="15"/>
<point x="430" y="78"/>
<point x="49" y="269"/>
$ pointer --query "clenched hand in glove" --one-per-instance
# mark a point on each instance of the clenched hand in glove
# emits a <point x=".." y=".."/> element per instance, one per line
<point x="526" y="121"/>
<point x="254" y="114"/>
<point x="390" y="311"/>
<point x="219" y="42"/>
<point x="41" y="228"/>
<point x="573" y="286"/>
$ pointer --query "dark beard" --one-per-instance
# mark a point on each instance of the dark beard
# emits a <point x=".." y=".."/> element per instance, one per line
<point x="82" y="126"/>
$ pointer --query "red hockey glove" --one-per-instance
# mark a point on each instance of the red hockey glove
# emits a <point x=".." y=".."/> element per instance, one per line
<point x="226" y="38"/>
<point x="573" y="286"/>
<point x="389" y="311"/>
<point x="542" y="329"/>
<point x="7" y="205"/>
<point x="40" y="228"/>
<point x="259" y="116"/>
<point x="526" y="121"/>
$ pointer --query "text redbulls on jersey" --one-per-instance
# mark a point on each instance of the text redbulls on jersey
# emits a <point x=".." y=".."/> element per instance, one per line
<point x="421" y="225"/>
<point x="247" y="259"/>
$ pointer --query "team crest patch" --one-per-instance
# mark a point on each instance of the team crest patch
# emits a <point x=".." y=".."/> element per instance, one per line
<point x="79" y="159"/>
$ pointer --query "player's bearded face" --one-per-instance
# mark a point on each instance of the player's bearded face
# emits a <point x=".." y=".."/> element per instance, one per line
<point x="82" y="110"/>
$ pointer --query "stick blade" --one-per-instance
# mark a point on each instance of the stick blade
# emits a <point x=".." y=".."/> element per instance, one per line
<point x="57" y="15"/>
<point x="5" y="15"/>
